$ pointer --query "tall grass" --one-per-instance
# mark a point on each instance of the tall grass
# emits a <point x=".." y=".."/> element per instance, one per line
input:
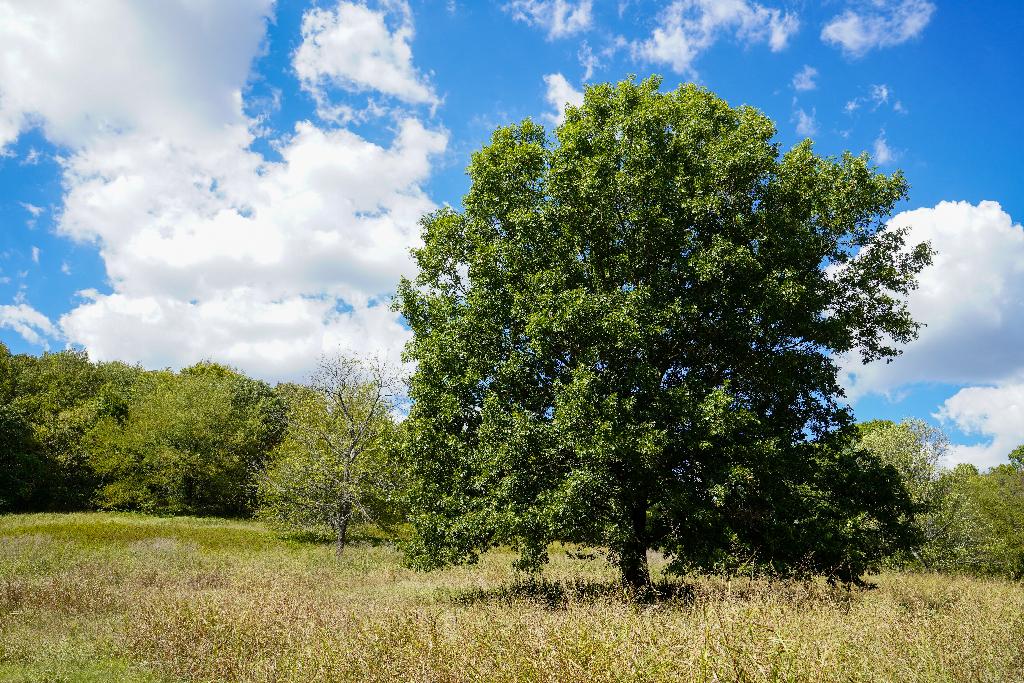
<point x="114" y="597"/>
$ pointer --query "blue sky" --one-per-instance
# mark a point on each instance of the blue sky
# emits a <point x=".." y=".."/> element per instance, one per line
<point x="241" y="179"/>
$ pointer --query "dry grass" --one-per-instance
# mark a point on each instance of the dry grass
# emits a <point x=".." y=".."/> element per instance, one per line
<point x="104" y="597"/>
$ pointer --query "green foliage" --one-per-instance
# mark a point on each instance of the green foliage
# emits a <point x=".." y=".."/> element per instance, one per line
<point x="914" y="449"/>
<point x="1016" y="457"/>
<point x="334" y="465"/>
<point x="54" y="393"/>
<point x="965" y="521"/>
<point x="961" y="538"/>
<point x="999" y="496"/>
<point x="189" y="442"/>
<point x="21" y="467"/>
<point x="628" y="338"/>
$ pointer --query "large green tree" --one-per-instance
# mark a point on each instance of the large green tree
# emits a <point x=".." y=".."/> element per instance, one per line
<point x="629" y="337"/>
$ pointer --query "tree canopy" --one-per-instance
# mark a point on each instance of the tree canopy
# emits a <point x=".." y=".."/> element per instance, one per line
<point x="187" y="442"/>
<point x="629" y="336"/>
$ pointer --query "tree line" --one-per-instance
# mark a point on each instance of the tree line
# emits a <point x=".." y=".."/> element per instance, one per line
<point x="317" y="457"/>
<point x="626" y="338"/>
<point x="79" y="435"/>
<point x="207" y="440"/>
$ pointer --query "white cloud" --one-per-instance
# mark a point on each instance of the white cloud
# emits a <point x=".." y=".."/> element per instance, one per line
<point x="32" y="209"/>
<point x="211" y="250"/>
<point x="688" y="27"/>
<point x="32" y="325"/>
<point x="879" y="94"/>
<point x="972" y="303"/>
<point x="971" y="300"/>
<point x="559" y="18"/>
<point x="996" y="412"/>
<point x="83" y="70"/>
<point x="352" y="47"/>
<point x="336" y="215"/>
<point x="241" y="249"/>
<point x="275" y="339"/>
<point x="804" y="79"/>
<point x="883" y="153"/>
<point x="806" y="124"/>
<point x="560" y="93"/>
<point x="588" y="60"/>
<point x="880" y="23"/>
<point x="35" y="254"/>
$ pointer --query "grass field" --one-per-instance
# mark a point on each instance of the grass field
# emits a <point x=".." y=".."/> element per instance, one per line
<point x="118" y="597"/>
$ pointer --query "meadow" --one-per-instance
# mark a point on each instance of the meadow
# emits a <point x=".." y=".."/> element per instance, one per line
<point x="129" y="597"/>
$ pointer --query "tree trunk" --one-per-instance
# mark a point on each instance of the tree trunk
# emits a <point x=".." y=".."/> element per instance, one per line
<point x="636" y="575"/>
<point x="344" y="515"/>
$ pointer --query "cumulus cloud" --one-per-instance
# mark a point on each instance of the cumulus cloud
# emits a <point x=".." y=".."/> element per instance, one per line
<point x="272" y="338"/>
<point x="804" y="79"/>
<point x="971" y="300"/>
<point x="211" y="250"/>
<point x="995" y="412"/>
<point x="560" y="93"/>
<point x="688" y="27"/>
<point x="335" y="215"/>
<point x="33" y="326"/>
<point x="972" y="303"/>
<point x="351" y="47"/>
<point x="881" y="23"/>
<point x="83" y="70"/>
<point x="558" y="18"/>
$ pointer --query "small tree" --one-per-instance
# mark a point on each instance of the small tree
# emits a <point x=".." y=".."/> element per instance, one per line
<point x="914" y="447"/>
<point x="332" y="466"/>
<point x="968" y="541"/>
